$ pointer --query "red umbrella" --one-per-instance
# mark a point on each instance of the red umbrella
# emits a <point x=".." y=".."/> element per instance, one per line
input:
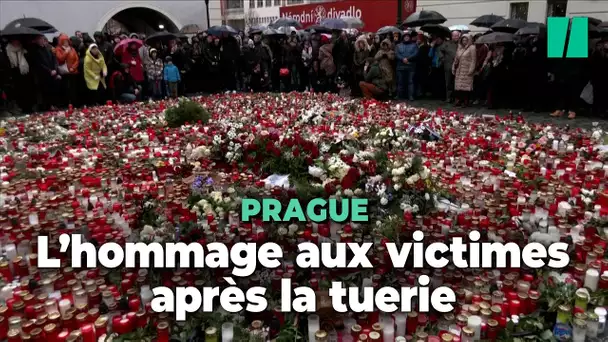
<point x="120" y="47"/>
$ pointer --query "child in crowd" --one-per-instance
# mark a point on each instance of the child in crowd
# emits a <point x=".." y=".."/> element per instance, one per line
<point x="172" y="77"/>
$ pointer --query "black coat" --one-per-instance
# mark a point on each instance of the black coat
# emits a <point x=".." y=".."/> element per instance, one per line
<point x="42" y="63"/>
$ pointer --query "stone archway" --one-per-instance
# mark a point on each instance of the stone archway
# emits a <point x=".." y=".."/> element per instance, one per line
<point x="139" y="18"/>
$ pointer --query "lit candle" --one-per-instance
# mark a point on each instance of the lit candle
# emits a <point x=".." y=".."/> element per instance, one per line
<point x="592" y="278"/>
<point x="227" y="332"/>
<point x="388" y="332"/>
<point x="400" y="323"/>
<point x="313" y="326"/>
<point x="474" y="322"/>
<point x="64" y="306"/>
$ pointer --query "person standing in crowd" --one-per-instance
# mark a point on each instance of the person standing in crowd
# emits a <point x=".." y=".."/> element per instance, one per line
<point x="565" y="78"/>
<point x="447" y="51"/>
<point x="291" y="57"/>
<point x="362" y="53"/>
<point x="154" y="73"/>
<point x="385" y="58"/>
<point x="212" y="60"/>
<point x="172" y="77"/>
<point x="123" y="86"/>
<point x="406" y="53"/>
<point x="423" y="66"/>
<point x="305" y="65"/>
<point x="326" y="62"/>
<point x="374" y="85"/>
<point x="95" y="72"/>
<point x="68" y="61"/>
<point x="464" y="70"/>
<point x="599" y="78"/>
<point x="46" y="73"/>
<point x="19" y="80"/>
<point x="132" y="57"/>
<point x="106" y="48"/>
<point x="481" y="51"/>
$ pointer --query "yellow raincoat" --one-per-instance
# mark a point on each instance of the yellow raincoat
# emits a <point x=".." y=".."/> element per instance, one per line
<point x="95" y="70"/>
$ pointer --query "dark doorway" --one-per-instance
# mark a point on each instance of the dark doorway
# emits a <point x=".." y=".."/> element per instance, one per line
<point x="139" y="20"/>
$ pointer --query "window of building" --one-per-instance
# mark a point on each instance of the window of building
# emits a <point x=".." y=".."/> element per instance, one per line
<point x="277" y="2"/>
<point x="260" y="3"/>
<point x="268" y="3"/>
<point x="294" y="2"/>
<point x="557" y="8"/>
<point x="232" y="4"/>
<point x="251" y="3"/>
<point x="519" y="10"/>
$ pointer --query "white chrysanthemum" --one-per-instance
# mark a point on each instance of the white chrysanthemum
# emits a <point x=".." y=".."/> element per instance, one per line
<point x="348" y="193"/>
<point x="358" y="192"/>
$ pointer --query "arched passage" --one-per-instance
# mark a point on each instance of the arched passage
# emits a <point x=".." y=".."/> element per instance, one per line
<point x="138" y="19"/>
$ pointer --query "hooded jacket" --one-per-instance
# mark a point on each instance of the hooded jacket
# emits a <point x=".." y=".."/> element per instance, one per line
<point x="136" y="67"/>
<point x="94" y="69"/>
<point x="326" y="59"/>
<point x="385" y="57"/>
<point x="155" y="67"/>
<point x="361" y="54"/>
<point x="68" y="56"/>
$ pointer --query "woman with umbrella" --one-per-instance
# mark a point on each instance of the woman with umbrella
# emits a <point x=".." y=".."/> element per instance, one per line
<point x="19" y="81"/>
<point x="211" y="57"/>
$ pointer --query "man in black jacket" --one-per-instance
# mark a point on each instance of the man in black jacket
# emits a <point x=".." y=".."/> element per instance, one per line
<point x="46" y="73"/>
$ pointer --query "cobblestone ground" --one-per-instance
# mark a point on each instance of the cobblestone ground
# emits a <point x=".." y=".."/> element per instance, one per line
<point x="582" y="120"/>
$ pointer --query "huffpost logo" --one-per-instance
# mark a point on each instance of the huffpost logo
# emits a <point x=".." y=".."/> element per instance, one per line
<point x="557" y="36"/>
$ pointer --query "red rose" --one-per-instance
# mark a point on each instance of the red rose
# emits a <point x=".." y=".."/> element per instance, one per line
<point x="296" y="152"/>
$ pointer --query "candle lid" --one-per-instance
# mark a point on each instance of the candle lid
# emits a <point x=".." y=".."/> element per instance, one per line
<point x="374" y="336"/>
<point x="468" y="331"/>
<point x="446" y="338"/>
<point x="321" y="334"/>
<point x="210" y="331"/>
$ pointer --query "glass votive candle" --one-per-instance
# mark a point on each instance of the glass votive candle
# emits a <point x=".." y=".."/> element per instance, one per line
<point x="51" y="306"/>
<point x="80" y="298"/>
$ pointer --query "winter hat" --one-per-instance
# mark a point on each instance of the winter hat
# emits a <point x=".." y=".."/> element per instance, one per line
<point x="153" y="50"/>
<point x="168" y="59"/>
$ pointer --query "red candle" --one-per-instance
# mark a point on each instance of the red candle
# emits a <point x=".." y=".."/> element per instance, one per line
<point x="88" y="333"/>
<point x="134" y="304"/>
<point x="162" y="330"/>
<point x="514" y="307"/>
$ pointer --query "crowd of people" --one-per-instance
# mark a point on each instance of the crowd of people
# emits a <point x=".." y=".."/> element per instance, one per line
<point x="82" y="70"/>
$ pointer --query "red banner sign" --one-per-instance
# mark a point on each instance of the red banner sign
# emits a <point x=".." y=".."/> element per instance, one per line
<point x="374" y="13"/>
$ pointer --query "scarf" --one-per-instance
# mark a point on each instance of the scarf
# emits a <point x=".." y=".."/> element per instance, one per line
<point x="17" y="58"/>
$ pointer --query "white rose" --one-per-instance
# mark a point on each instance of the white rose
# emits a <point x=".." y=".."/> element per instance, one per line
<point x="358" y="192"/>
<point x="383" y="201"/>
<point x="348" y="193"/>
<point x="397" y="186"/>
<point x="413" y="179"/>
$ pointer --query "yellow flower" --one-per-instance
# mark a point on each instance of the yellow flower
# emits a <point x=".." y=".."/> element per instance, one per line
<point x="355" y="134"/>
<point x="160" y="163"/>
<point x="2" y="131"/>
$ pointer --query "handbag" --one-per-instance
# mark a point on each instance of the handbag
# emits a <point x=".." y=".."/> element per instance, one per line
<point x="63" y="69"/>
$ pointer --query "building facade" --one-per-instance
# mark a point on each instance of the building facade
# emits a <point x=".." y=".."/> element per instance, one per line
<point x="242" y="14"/>
<point x="90" y="16"/>
<point x="465" y="11"/>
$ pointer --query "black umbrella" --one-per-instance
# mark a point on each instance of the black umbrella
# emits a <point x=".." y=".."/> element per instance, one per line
<point x="389" y="30"/>
<point x="318" y="29"/>
<point x="218" y="30"/>
<point x="424" y="17"/>
<point x="285" y="22"/>
<point x="272" y="32"/>
<point x="603" y="24"/>
<point x="532" y="29"/>
<point x="256" y="30"/>
<point x="436" y="29"/>
<point x="162" y="36"/>
<point x="487" y="20"/>
<point x="509" y="25"/>
<point x="190" y="29"/>
<point x="495" y="37"/>
<point x="33" y="23"/>
<point x="20" y="32"/>
<point x="594" y="21"/>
